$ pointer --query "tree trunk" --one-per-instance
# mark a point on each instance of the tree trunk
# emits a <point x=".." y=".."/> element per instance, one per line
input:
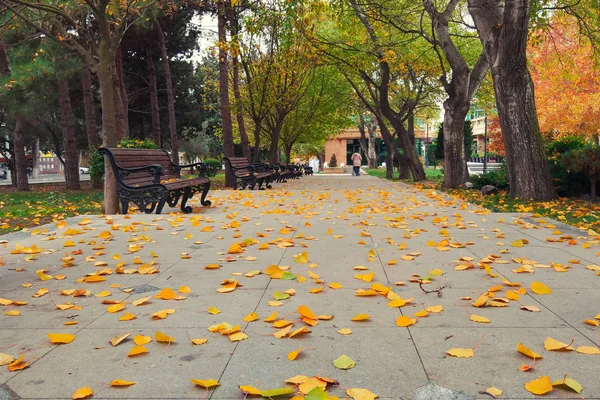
<point x="170" y="94"/>
<point x="122" y="94"/>
<point x="257" y="129"/>
<point x="104" y="71"/>
<point x="118" y="104"/>
<point x="362" y="140"/>
<point x="236" y="84"/>
<point x="275" y="142"/>
<point x="35" y="158"/>
<point x="225" y="108"/>
<point x="91" y="128"/>
<point x="503" y="32"/>
<point x="69" y="143"/>
<point x="155" y="111"/>
<point x="288" y="153"/>
<point x="321" y="158"/>
<point x="20" y="160"/>
<point x="593" y="180"/>
<point x="455" y="164"/>
<point x="389" y="147"/>
<point x="371" y="152"/>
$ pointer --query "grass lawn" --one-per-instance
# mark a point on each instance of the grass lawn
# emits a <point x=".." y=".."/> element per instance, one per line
<point x="433" y="175"/>
<point x="579" y="213"/>
<point x="49" y="202"/>
<point x="26" y="209"/>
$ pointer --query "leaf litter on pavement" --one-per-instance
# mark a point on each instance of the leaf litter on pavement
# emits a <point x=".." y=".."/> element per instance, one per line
<point x="98" y="254"/>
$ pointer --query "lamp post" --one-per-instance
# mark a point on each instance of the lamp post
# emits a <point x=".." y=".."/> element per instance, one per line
<point x="485" y="139"/>
<point x="426" y="143"/>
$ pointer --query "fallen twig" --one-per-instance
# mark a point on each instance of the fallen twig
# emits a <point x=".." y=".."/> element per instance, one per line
<point x="438" y="290"/>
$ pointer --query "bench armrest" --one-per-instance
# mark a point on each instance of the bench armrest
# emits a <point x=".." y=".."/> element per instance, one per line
<point x="200" y="166"/>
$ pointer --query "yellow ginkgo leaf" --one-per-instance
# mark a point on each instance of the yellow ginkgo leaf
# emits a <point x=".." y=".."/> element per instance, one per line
<point x="361" y="317"/>
<point x="251" y="317"/>
<point x="477" y="318"/>
<point x="435" y="309"/>
<point x="185" y="289"/>
<point x="539" y="386"/>
<point x="588" y="350"/>
<point x="461" y="353"/>
<point x="527" y="351"/>
<point x="293" y="354"/>
<point x="199" y="342"/>
<point x="161" y="337"/>
<point x="421" y="314"/>
<point x="361" y="394"/>
<point x="335" y="285"/>
<point x="517" y="243"/>
<point x="555" y="345"/>
<point x="118" y="339"/>
<point x="404" y="321"/>
<point x="82" y="393"/>
<point x="141" y="301"/>
<point x="141" y="340"/>
<point x="120" y="382"/>
<point x="301" y="258"/>
<point x="115" y="307"/>
<point x="540" y="288"/>
<point x="41" y="273"/>
<point x="306" y="312"/>
<point x="127" y="316"/>
<point x="493" y="391"/>
<point x="205" y="383"/>
<point x="61" y="338"/>
<point x="568" y="383"/>
<point x="166" y="294"/>
<point x="345" y="331"/>
<point x="250" y="390"/>
<point x="213" y="310"/>
<point x="137" y="350"/>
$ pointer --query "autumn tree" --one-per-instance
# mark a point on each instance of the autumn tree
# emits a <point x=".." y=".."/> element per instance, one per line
<point x="566" y="77"/>
<point x="503" y="30"/>
<point x="93" y="29"/>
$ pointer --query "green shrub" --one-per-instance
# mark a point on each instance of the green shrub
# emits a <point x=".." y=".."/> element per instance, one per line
<point x="585" y="160"/>
<point x="498" y="178"/>
<point x="212" y="166"/>
<point x="333" y="161"/>
<point x="567" y="183"/>
<point x="97" y="160"/>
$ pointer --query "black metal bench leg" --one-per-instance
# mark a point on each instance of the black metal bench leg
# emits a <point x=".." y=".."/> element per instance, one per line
<point x="203" y="201"/>
<point x="124" y="206"/>
<point x="187" y="194"/>
<point x="260" y="183"/>
<point x="161" y="204"/>
<point x="268" y="183"/>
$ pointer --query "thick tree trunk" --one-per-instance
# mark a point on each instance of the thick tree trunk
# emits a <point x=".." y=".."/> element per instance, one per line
<point x="257" y="130"/>
<point x="118" y="104"/>
<point x="503" y="32"/>
<point x="389" y="149"/>
<point x="105" y="72"/>
<point x="593" y="180"/>
<point x="288" y="153"/>
<point x="225" y="108"/>
<point x="35" y="158"/>
<point x="455" y="165"/>
<point x="170" y="94"/>
<point x="69" y="143"/>
<point x="122" y="94"/>
<point x="91" y="129"/>
<point x="20" y="160"/>
<point x="155" y="111"/>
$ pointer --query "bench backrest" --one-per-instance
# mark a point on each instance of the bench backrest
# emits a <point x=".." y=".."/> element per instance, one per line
<point x="239" y="165"/>
<point x="132" y="158"/>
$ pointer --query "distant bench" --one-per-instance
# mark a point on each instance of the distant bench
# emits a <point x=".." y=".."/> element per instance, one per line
<point x="149" y="179"/>
<point x="476" y="168"/>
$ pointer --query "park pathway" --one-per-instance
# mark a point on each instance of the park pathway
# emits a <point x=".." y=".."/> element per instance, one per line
<point x="345" y="246"/>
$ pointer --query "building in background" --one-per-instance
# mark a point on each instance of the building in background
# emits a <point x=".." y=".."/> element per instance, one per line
<point x="344" y="144"/>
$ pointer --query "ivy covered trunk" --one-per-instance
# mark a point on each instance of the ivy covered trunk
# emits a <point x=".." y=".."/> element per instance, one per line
<point x="91" y="129"/>
<point x="68" y="130"/>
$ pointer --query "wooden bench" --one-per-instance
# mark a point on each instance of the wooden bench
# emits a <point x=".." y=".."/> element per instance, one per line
<point x="249" y="174"/>
<point x="476" y="168"/>
<point x="149" y="179"/>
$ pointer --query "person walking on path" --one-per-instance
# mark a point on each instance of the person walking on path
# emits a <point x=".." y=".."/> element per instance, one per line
<point x="356" y="162"/>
